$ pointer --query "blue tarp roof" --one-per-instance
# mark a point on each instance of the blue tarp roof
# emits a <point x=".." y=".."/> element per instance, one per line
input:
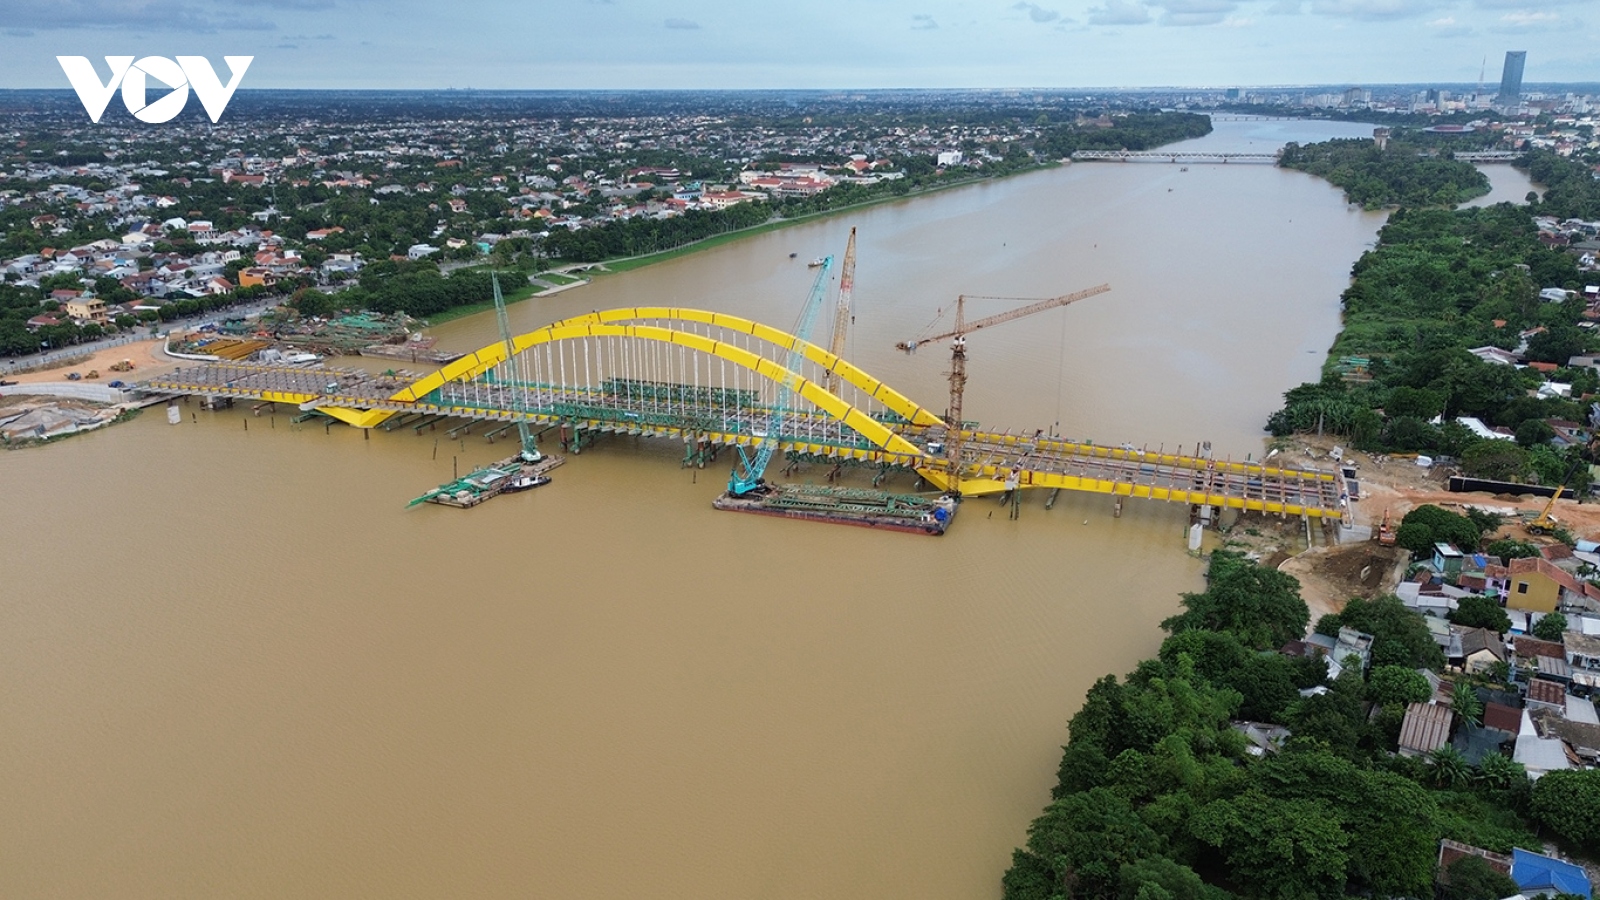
<point x="1534" y="873"/>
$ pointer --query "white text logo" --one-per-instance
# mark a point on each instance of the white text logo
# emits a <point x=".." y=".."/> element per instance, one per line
<point x="188" y="72"/>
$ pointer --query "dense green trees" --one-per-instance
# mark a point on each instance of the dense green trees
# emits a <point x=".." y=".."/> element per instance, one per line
<point x="1260" y="606"/>
<point x="1439" y="283"/>
<point x="1550" y="627"/>
<point x="1400" y="637"/>
<point x="1478" y="611"/>
<point x="1397" y="175"/>
<point x="1156" y="795"/>
<point x="1472" y="878"/>
<point x="1427" y="525"/>
<point x="1569" y="803"/>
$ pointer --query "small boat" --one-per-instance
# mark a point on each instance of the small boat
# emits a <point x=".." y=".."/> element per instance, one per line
<point x="525" y="482"/>
<point x="793" y="255"/>
<point x="815" y="263"/>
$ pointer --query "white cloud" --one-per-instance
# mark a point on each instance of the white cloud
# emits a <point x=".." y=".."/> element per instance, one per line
<point x="1119" y="12"/>
<point x="682" y="24"/>
<point x="923" y="22"/>
<point x="1373" y="9"/>
<point x="1038" y="13"/>
<point x="123" y="15"/>
<point x="1523" y="22"/>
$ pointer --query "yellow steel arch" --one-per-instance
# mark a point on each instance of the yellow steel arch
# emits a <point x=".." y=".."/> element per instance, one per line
<point x="475" y="364"/>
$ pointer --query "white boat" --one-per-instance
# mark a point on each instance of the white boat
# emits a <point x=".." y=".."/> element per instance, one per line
<point x="526" y="482"/>
<point x="815" y="263"/>
<point x="299" y="357"/>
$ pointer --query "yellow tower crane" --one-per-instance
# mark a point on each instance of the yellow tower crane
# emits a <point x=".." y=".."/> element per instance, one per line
<point x="842" y="316"/>
<point x="958" y="359"/>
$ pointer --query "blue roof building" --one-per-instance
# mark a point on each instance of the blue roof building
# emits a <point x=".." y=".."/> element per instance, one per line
<point x="1536" y="875"/>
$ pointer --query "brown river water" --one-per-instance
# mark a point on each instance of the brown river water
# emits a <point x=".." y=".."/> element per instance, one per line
<point x="232" y="664"/>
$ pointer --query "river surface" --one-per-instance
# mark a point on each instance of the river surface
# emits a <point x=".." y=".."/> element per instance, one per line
<point x="232" y="664"/>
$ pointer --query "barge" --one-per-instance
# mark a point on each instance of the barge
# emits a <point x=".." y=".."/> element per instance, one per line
<point x="917" y="513"/>
<point x="507" y="476"/>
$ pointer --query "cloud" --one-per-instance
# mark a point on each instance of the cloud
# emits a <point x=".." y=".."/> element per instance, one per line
<point x="286" y="46"/>
<point x="18" y="32"/>
<point x="1524" y="21"/>
<point x="923" y="22"/>
<point x="683" y="24"/>
<point x="1118" y="12"/>
<point x="286" y="4"/>
<point x="1285" y="8"/>
<point x="1038" y="13"/>
<point x="1447" y="26"/>
<point x="1521" y="4"/>
<point x="124" y="15"/>
<point x="1373" y="9"/>
<point x="1194" y="12"/>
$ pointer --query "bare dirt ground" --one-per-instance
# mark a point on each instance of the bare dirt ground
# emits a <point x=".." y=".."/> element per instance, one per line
<point x="147" y="356"/>
<point x="1331" y="575"/>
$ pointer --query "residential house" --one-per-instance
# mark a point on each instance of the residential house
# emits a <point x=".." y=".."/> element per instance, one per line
<point x="87" y="310"/>
<point x="1480" y="649"/>
<point x="1583" y="655"/>
<point x="1539" y="585"/>
<point x="1425" y="729"/>
<point x="1537" y="875"/>
<point x="257" y="276"/>
<point x="1446" y="559"/>
<point x="1539" y="754"/>
<point x="1543" y="694"/>
<point x="1495" y="355"/>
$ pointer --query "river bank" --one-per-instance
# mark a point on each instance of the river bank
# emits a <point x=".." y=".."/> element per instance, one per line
<point x="631" y="263"/>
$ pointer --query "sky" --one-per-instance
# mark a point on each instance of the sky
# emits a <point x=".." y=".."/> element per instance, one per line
<point x="688" y="44"/>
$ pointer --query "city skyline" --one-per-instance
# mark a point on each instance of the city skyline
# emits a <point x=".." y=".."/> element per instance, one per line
<point x="707" y="44"/>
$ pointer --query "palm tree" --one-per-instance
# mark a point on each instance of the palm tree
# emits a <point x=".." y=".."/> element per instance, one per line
<point x="1466" y="704"/>
<point x="1499" y="771"/>
<point x="1450" y="768"/>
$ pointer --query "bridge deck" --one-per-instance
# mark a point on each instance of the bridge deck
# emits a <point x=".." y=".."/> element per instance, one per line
<point x="993" y="459"/>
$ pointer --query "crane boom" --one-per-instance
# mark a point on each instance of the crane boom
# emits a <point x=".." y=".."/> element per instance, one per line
<point x="958" y="363"/>
<point x="742" y="483"/>
<point x="841" y="313"/>
<point x="969" y="327"/>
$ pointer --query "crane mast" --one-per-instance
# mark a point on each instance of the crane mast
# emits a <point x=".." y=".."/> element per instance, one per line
<point x="958" y="359"/>
<point x="530" y="450"/>
<point x="841" y="313"/>
<point x="742" y="483"/>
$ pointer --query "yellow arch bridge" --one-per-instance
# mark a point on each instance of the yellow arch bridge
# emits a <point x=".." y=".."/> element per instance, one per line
<point x="710" y="379"/>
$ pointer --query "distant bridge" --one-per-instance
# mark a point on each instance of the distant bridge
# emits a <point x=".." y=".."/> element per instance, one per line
<point x="1489" y="156"/>
<point x="711" y="379"/>
<point x="1172" y="156"/>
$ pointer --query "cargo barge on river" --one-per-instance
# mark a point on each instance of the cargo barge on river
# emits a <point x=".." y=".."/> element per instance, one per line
<point x="917" y="513"/>
<point x="509" y="475"/>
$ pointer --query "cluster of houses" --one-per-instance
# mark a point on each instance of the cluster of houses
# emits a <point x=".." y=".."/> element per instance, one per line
<point x="1578" y="237"/>
<point x="1543" y="717"/>
<point x="156" y="278"/>
<point x="1546" y="719"/>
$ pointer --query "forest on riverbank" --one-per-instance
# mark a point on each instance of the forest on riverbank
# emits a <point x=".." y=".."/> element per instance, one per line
<point x="1399" y="174"/>
<point x="1441" y="283"/>
<point x="1159" y="797"/>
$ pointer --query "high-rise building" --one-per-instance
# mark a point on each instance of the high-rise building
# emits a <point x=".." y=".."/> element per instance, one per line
<point x="1511" y="77"/>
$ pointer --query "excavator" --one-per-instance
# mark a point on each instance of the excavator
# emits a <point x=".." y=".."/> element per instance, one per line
<point x="1385" y="531"/>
